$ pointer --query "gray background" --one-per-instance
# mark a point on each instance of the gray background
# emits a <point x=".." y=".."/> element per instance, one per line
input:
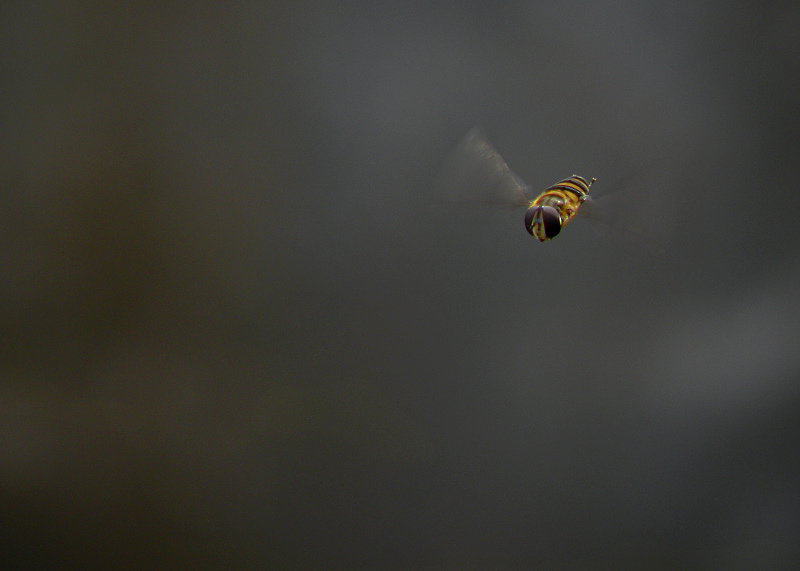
<point x="238" y="331"/>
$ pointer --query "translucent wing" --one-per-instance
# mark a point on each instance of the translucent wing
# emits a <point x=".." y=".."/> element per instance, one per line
<point x="637" y="212"/>
<point x="475" y="172"/>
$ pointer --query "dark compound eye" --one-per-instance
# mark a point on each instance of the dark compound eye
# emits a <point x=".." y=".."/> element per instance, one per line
<point x="545" y="215"/>
<point x="529" y="217"/>
<point x="552" y="221"/>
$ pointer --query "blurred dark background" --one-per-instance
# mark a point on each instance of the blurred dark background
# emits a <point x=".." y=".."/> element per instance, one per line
<point x="239" y="332"/>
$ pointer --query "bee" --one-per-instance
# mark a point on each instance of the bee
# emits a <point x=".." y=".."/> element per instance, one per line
<point x="549" y="212"/>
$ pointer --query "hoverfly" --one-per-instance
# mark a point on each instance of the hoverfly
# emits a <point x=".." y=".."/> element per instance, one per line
<point x="476" y="172"/>
<point x="549" y="212"/>
<point x="633" y="215"/>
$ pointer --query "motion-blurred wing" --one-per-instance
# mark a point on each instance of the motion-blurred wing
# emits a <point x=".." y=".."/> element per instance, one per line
<point x="475" y="172"/>
<point x="637" y="212"/>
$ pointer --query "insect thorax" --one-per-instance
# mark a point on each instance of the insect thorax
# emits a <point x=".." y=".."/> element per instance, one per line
<point x="566" y="203"/>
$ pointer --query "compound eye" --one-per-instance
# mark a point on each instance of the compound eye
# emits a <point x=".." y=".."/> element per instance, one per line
<point x="532" y="216"/>
<point x="552" y="221"/>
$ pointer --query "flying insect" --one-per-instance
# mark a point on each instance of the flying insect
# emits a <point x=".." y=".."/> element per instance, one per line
<point x="549" y="212"/>
<point x="476" y="172"/>
<point x="637" y="213"/>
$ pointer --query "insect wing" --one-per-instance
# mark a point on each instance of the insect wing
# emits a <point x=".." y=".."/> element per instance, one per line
<point x="475" y="172"/>
<point x="635" y="213"/>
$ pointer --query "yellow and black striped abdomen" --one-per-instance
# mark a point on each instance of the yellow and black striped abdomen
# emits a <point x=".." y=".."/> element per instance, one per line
<point x="549" y="212"/>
